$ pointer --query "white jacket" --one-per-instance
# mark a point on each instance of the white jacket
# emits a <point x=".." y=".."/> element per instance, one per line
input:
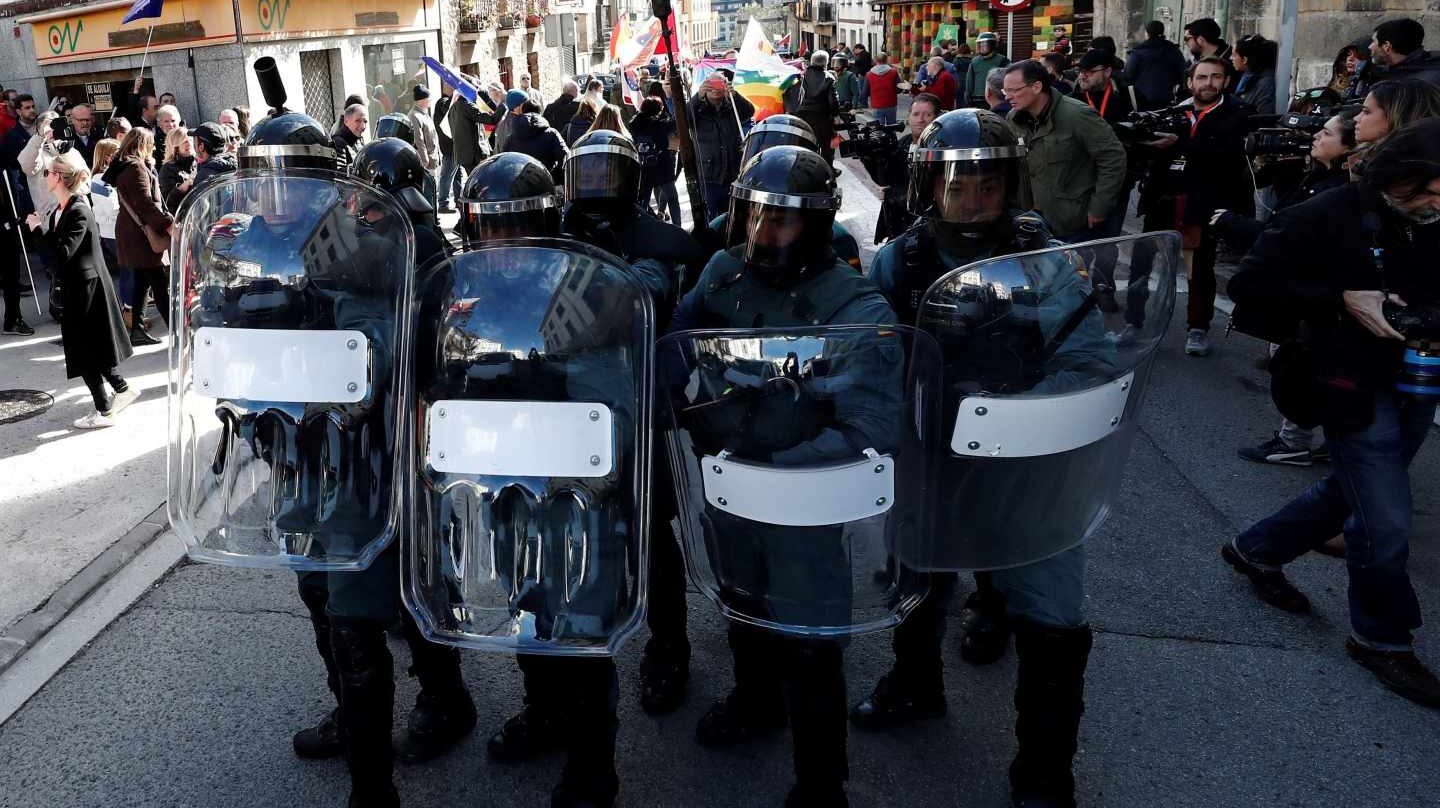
<point x="105" y="201"/>
<point x="34" y="162"/>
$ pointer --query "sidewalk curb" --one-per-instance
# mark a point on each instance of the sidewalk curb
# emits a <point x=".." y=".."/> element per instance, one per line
<point x="32" y="628"/>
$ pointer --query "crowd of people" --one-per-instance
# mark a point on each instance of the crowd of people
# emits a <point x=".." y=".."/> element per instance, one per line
<point x="994" y="158"/>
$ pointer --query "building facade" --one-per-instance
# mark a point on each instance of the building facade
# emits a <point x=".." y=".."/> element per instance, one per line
<point x="911" y="29"/>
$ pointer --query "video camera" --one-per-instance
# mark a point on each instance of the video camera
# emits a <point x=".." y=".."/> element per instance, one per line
<point x="867" y="141"/>
<point x="1421" y="327"/>
<point x="1291" y="134"/>
<point x="1143" y="126"/>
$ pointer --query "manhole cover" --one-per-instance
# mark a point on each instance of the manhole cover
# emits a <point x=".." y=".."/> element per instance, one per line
<point x="17" y="405"/>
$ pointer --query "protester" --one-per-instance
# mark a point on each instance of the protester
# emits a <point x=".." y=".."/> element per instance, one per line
<point x="995" y="92"/>
<point x="1056" y="64"/>
<point x="717" y="112"/>
<point x="563" y="108"/>
<point x="167" y="119"/>
<point x="813" y="99"/>
<point x="529" y="133"/>
<point x="34" y="161"/>
<point x="941" y="83"/>
<point x="580" y="122"/>
<point x="177" y="173"/>
<point x="427" y="142"/>
<point x="133" y="176"/>
<point x="91" y="330"/>
<point x="212" y="156"/>
<point x="353" y="126"/>
<point x="116" y="127"/>
<point x="861" y="64"/>
<point x="106" y="204"/>
<point x="883" y="82"/>
<point x="609" y="119"/>
<point x="1155" y="68"/>
<point x="653" y="131"/>
<point x="83" y="136"/>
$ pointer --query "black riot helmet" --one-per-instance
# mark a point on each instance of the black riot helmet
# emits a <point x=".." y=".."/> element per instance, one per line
<point x="509" y="195"/>
<point x="782" y="209"/>
<point x="394" y="166"/>
<point x="395" y="125"/>
<point x="602" y="173"/>
<point x="966" y="169"/>
<point x="284" y="139"/>
<point x="778" y="130"/>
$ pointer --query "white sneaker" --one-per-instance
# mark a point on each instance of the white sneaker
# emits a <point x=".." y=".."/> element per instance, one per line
<point x="123" y="400"/>
<point x="1197" y="343"/>
<point x="94" y="420"/>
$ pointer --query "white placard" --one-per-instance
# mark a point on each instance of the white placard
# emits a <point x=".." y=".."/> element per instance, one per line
<point x="274" y="364"/>
<point x="1040" y="425"/>
<point x="520" y="438"/>
<point x="800" y="496"/>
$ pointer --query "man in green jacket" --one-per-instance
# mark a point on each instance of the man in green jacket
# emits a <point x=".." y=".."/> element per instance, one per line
<point x="847" y="84"/>
<point x="990" y="57"/>
<point x="1076" y="163"/>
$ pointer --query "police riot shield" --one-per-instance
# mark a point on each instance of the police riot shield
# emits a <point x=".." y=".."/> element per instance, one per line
<point x="1046" y="357"/>
<point x="286" y="402"/>
<point x="801" y="460"/>
<point x="529" y="469"/>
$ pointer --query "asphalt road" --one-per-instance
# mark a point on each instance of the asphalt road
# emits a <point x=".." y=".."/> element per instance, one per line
<point x="1197" y="694"/>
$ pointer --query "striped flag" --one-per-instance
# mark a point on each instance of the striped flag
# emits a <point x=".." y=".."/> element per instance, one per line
<point x="143" y="9"/>
<point x="760" y="75"/>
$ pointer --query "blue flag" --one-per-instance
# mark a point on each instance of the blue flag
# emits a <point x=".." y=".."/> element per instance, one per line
<point x="143" y="9"/>
<point x="447" y="75"/>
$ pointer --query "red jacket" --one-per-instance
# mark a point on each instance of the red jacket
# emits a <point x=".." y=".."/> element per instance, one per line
<point x="882" y="83"/>
<point x="944" y="87"/>
<point x="7" y="121"/>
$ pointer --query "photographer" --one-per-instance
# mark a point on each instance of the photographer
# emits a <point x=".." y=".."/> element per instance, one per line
<point x="1199" y="169"/>
<point x="889" y="168"/>
<point x="1361" y="292"/>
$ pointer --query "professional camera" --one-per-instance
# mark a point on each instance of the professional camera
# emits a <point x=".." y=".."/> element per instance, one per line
<point x="1143" y="126"/>
<point x="1421" y="327"/>
<point x="867" y="141"/>
<point x="1291" y="133"/>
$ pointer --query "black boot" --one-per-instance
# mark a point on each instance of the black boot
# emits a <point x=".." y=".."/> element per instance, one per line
<point x="589" y="779"/>
<point x="739" y="717"/>
<point x="984" y="625"/>
<point x="1049" y="700"/>
<point x="664" y="673"/>
<point x="367" y="703"/>
<point x="140" y="337"/>
<point x="895" y="702"/>
<point x="810" y="796"/>
<point x="322" y="740"/>
<point x="444" y="712"/>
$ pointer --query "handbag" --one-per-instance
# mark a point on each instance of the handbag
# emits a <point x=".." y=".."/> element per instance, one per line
<point x="159" y="242"/>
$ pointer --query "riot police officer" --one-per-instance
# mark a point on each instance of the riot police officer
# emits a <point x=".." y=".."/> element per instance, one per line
<point x="395" y="125"/>
<point x="785" y="130"/>
<point x="570" y="702"/>
<point x="966" y="176"/>
<point x="785" y="273"/>
<point x="392" y="165"/>
<point x="602" y="189"/>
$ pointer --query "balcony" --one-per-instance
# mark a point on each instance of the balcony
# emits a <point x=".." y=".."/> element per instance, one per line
<point x="476" y="16"/>
<point x="825" y="13"/>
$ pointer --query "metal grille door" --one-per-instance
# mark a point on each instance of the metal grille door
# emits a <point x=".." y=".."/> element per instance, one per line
<point x="319" y="95"/>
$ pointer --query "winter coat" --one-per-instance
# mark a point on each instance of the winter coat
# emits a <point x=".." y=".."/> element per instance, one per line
<point x="1155" y="68"/>
<point x="651" y="134"/>
<point x="1077" y="165"/>
<point x="815" y="103"/>
<point x="531" y="134"/>
<point x="106" y="204"/>
<point x="561" y="110"/>
<point x="139" y="189"/>
<point x="944" y="87"/>
<point x="172" y="175"/>
<point x="1423" y="65"/>
<point x="427" y="140"/>
<point x="214" y="167"/>
<point x="1257" y="90"/>
<point x="862" y="63"/>
<point x="1240" y="232"/>
<point x="575" y="127"/>
<point x="883" y="81"/>
<point x="34" y="162"/>
<point x="91" y="330"/>
<point x="347" y="148"/>
<point x="471" y="145"/>
<point x="717" y="136"/>
<point x="980" y="67"/>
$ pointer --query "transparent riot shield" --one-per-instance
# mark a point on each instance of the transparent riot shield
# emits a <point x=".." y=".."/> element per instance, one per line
<point x="801" y="460"/>
<point x="529" y="471"/>
<point x="1046" y="358"/>
<point x="285" y="401"/>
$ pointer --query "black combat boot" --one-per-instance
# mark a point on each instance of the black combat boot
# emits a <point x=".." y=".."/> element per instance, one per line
<point x="894" y="701"/>
<point x="805" y="795"/>
<point x="444" y="712"/>
<point x="814" y="676"/>
<point x="664" y="674"/>
<point x="322" y="740"/>
<point x="915" y="688"/>
<point x="367" y="702"/>
<point x="756" y="706"/>
<point x="984" y="625"/>
<point x="539" y="728"/>
<point x="589" y="779"/>
<point x="1049" y="700"/>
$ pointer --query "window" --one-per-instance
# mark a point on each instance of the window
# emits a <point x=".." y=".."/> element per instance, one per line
<point x="389" y="75"/>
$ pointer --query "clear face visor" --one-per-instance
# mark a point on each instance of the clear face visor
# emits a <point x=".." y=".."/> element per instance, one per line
<point x="965" y="192"/>
<point x="776" y="135"/>
<point x="533" y="217"/>
<point x="780" y="238"/>
<point x="609" y="172"/>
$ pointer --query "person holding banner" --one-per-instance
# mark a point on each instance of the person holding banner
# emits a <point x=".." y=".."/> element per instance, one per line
<point x="718" y="113"/>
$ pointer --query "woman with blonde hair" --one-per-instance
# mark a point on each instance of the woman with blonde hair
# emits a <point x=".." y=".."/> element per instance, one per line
<point x="608" y="118"/>
<point x="177" y="172"/>
<point x="106" y="205"/>
<point x="132" y="173"/>
<point x="580" y="123"/>
<point x="90" y="327"/>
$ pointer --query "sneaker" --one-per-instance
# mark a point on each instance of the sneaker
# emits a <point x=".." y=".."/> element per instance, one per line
<point x="1126" y="336"/>
<point x="19" y="327"/>
<point x="1271" y="585"/>
<point x="1400" y="671"/>
<point x="1198" y="342"/>
<point x="95" y="420"/>
<point x="123" y="399"/>
<point x="1321" y="454"/>
<point x="1276" y="451"/>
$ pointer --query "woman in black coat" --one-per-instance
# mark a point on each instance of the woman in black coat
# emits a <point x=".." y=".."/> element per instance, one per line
<point x="91" y="328"/>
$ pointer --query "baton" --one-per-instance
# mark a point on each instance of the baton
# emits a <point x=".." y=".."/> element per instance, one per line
<point x="20" y="236"/>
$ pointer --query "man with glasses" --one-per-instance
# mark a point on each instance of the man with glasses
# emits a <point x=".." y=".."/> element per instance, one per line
<point x="82" y="126"/>
<point x="1076" y="163"/>
<point x="1203" y="40"/>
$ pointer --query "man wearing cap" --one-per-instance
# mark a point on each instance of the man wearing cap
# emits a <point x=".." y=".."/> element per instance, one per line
<point x="526" y="131"/>
<point x="427" y="141"/>
<point x="512" y="103"/>
<point x="1095" y="85"/>
<point x="989" y="57"/>
<point x="212" y="154"/>
<point x="718" y="113"/>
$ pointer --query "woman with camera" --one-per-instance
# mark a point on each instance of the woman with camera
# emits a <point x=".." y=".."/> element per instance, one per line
<point x="1330" y="276"/>
<point x="90" y="327"/>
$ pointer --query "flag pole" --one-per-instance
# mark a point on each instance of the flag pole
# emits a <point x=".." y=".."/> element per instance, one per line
<point x="701" y="218"/>
<point x="20" y="237"/>
<point x="146" y="54"/>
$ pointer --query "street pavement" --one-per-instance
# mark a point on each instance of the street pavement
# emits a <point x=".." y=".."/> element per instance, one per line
<point x="1198" y="695"/>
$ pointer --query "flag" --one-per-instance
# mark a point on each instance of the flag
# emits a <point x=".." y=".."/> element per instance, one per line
<point x="453" y="78"/>
<point x="633" y="53"/>
<point x="682" y="40"/>
<point x="143" y="9"/>
<point x="760" y="75"/>
<point x="783" y="43"/>
<point x="620" y="35"/>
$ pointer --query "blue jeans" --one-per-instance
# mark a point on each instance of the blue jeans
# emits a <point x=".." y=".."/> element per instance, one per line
<point x="717" y="198"/>
<point x="886" y="115"/>
<point x="667" y="198"/>
<point x="1368" y="496"/>
<point x="452" y="181"/>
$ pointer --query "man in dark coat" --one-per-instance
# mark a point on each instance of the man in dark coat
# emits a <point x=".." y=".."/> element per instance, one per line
<point x="471" y="144"/>
<point x="1155" y="68"/>
<point x="352" y="131"/>
<point x="814" y="101"/>
<point x="718" y="113"/>
<point x="1396" y="46"/>
<point x="562" y="109"/>
<point x="530" y="134"/>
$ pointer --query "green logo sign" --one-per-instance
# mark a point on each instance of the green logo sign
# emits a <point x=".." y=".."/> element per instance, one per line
<point x="64" y="40"/>
<point x="272" y="13"/>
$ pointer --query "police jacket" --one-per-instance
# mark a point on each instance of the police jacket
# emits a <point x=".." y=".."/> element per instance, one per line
<point x="531" y="134"/>
<point x="660" y="252"/>
<point x="1311" y="253"/>
<point x="1077" y="164"/>
<point x="980" y="67"/>
<point x="717" y="136"/>
<point x="1155" y="68"/>
<point x="830" y="294"/>
<point x="1240" y="232"/>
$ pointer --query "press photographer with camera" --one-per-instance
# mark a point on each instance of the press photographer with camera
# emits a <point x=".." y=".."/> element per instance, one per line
<point x="1200" y="167"/>
<point x="1347" y="280"/>
<point x="885" y="158"/>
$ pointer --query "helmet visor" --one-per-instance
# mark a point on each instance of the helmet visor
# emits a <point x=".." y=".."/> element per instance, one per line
<point x="779" y="239"/>
<point x="774" y="134"/>
<point x="965" y="186"/>
<point x="607" y="172"/>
